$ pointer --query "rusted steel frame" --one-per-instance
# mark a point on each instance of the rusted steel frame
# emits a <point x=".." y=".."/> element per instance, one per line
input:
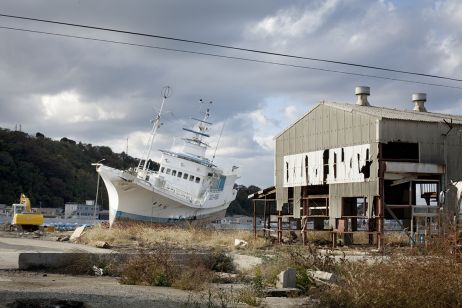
<point x="279" y="227"/>
<point x="381" y="201"/>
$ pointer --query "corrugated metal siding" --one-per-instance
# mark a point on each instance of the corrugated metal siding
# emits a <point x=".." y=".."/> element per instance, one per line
<point x="326" y="127"/>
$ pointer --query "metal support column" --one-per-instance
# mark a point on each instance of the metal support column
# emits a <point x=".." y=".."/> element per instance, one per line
<point x="254" y="220"/>
<point x="279" y="227"/>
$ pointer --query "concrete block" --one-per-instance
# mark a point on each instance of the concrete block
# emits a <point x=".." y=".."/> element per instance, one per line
<point x="77" y="233"/>
<point x="284" y="292"/>
<point x="287" y="279"/>
<point x="34" y="260"/>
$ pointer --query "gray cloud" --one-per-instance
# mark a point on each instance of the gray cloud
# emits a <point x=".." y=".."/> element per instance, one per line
<point x="102" y="93"/>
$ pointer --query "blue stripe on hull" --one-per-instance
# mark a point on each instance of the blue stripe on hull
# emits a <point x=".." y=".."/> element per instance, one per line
<point x="128" y="216"/>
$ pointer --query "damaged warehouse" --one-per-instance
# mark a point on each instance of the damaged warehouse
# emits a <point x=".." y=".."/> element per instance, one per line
<point x="347" y="168"/>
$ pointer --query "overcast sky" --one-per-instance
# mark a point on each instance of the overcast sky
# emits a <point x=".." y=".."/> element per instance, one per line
<point x="103" y="93"/>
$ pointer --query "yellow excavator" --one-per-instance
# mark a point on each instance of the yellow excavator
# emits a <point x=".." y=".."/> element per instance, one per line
<point x="23" y="216"/>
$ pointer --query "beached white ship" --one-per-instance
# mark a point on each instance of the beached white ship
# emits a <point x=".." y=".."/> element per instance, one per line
<point x="187" y="186"/>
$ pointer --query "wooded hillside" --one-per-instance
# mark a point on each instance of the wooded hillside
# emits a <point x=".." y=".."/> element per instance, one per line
<point x="52" y="172"/>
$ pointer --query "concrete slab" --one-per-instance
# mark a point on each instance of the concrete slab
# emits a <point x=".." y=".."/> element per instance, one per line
<point x="245" y="262"/>
<point x="91" y="291"/>
<point x="31" y="251"/>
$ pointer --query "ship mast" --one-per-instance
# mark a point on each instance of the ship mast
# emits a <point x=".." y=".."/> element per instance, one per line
<point x="166" y="93"/>
<point x="196" y="145"/>
<point x="202" y="126"/>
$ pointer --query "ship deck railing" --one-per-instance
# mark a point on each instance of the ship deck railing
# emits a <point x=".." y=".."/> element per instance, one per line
<point x="180" y="193"/>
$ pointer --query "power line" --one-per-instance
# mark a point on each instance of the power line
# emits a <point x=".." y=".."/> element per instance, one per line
<point x="230" y="57"/>
<point x="229" y="47"/>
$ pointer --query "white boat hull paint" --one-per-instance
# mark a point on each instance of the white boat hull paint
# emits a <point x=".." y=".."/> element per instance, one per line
<point x="132" y="201"/>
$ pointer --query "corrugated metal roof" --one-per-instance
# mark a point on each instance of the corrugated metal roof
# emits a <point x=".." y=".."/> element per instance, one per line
<point x="397" y="114"/>
<point x="386" y="113"/>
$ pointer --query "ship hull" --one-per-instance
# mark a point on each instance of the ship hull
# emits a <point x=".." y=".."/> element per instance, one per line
<point x="133" y="201"/>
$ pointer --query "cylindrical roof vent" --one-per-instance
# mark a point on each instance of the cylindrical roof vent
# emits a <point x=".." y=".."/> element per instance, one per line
<point x="361" y="95"/>
<point x="419" y="100"/>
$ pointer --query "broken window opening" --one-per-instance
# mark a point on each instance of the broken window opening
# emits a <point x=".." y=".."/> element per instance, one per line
<point x="306" y="168"/>
<point x="335" y="165"/>
<point x="400" y="151"/>
<point x="366" y="169"/>
<point x="325" y="159"/>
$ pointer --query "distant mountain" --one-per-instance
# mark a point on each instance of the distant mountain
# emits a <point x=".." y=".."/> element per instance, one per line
<point x="52" y="172"/>
<point x="241" y="205"/>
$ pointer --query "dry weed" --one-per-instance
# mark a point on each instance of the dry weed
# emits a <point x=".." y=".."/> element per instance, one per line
<point x="153" y="269"/>
<point x="164" y="267"/>
<point x="396" y="238"/>
<point x="144" y="235"/>
<point x="431" y="281"/>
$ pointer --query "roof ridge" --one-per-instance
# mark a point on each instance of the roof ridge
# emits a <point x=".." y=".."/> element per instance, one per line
<point x="416" y="114"/>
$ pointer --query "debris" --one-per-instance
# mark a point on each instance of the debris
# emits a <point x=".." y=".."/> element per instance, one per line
<point x="102" y="244"/>
<point x="286" y="279"/>
<point x="37" y="234"/>
<point x="321" y="275"/>
<point x="293" y="236"/>
<point x="240" y="243"/>
<point x="63" y="238"/>
<point x="322" y="278"/>
<point x="77" y="233"/>
<point x="98" y="270"/>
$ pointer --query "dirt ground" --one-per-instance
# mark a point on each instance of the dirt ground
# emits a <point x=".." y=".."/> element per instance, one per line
<point x="46" y="289"/>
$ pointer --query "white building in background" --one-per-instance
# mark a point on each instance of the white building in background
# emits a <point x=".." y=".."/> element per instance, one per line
<point x="81" y="211"/>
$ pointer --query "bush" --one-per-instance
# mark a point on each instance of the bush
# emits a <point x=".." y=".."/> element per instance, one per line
<point x="430" y="281"/>
<point x="221" y="262"/>
<point x="161" y="269"/>
<point x="153" y="269"/>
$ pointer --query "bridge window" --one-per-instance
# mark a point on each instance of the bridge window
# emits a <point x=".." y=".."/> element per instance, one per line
<point x="180" y="174"/>
<point x="162" y="169"/>
<point x="198" y="179"/>
<point x="191" y="177"/>
<point x="174" y="172"/>
<point x="168" y="170"/>
<point x="185" y="176"/>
